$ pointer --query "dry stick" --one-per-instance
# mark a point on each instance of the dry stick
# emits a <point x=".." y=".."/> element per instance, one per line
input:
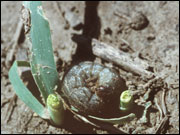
<point x="166" y="118"/>
<point x="14" y="43"/>
<point x="10" y="108"/>
<point x="120" y="58"/>
<point x="150" y="82"/>
<point x="86" y="120"/>
<point x="159" y="108"/>
<point x="162" y="125"/>
<point x="125" y="17"/>
<point x="5" y="101"/>
<point x="104" y="126"/>
<point x="163" y="102"/>
<point x="111" y="129"/>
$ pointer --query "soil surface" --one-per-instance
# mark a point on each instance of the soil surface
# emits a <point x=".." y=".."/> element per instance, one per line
<point x="145" y="30"/>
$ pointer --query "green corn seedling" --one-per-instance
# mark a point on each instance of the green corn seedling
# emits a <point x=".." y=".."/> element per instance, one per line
<point x="43" y="69"/>
<point x="42" y="65"/>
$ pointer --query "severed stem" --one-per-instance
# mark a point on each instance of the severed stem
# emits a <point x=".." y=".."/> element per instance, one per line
<point x="126" y="100"/>
<point x="55" y="108"/>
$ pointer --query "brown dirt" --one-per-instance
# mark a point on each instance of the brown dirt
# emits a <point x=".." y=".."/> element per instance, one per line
<point x="156" y="41"/>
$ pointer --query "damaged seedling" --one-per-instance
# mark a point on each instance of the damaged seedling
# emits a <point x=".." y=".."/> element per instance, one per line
<point x="108" y="84"/>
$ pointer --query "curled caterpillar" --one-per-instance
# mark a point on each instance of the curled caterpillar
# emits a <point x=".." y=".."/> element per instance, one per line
<point x="93" y="88"/>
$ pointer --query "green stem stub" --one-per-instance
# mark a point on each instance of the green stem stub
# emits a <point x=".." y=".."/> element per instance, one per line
<point x="55" y="108"/>
<point x="126" y="99"/>
<point x="53" y="101"/>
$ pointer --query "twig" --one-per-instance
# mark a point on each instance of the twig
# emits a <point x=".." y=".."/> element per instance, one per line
<point x="10" y="108"/>
<point x="165" y="120"/>
<point x="159" y="108"/>
<point x="125" y="17"/>
<point x="150" y="82"/>
<point x="86" y="120"/>
<point x="5" y="101"/>
<point x="163" y="102"/>
<point x="112" y="129"/>
<point x="162" y="125"/>
<point x="126" y="42"/>
<point x="120" y="58"/>
<point x="104" y="126"/>
<point x="13" y="44"/>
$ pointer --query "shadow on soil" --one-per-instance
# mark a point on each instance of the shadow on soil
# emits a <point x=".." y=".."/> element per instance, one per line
<point x="91" y="29"/>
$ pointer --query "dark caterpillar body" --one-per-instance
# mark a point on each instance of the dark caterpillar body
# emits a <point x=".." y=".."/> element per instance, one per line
<point x="93" y="88"/>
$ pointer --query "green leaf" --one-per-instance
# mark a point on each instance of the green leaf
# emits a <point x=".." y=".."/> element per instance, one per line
<point x="42" y="62"/>
<point x="120" y="120"/>
<point x="22" y="92"/>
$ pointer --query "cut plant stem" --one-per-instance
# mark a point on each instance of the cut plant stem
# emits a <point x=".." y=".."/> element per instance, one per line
<point x="55" y="108"/>
<point x="126" y="99"/>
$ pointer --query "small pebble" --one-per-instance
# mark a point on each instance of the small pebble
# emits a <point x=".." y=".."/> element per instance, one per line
<point x="151" y="37"/>
<point x="139" y="21"/>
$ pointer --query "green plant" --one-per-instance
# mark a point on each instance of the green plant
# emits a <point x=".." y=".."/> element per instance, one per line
<point x="126" y="100"/>
<point x="44" y="71"/>
<point x="42" y="62"/>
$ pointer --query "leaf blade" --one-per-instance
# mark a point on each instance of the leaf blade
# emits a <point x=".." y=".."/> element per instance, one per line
<point x="22" y="92"/>
<point x="120" y="120"/>
<point x="42" y="62"/>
